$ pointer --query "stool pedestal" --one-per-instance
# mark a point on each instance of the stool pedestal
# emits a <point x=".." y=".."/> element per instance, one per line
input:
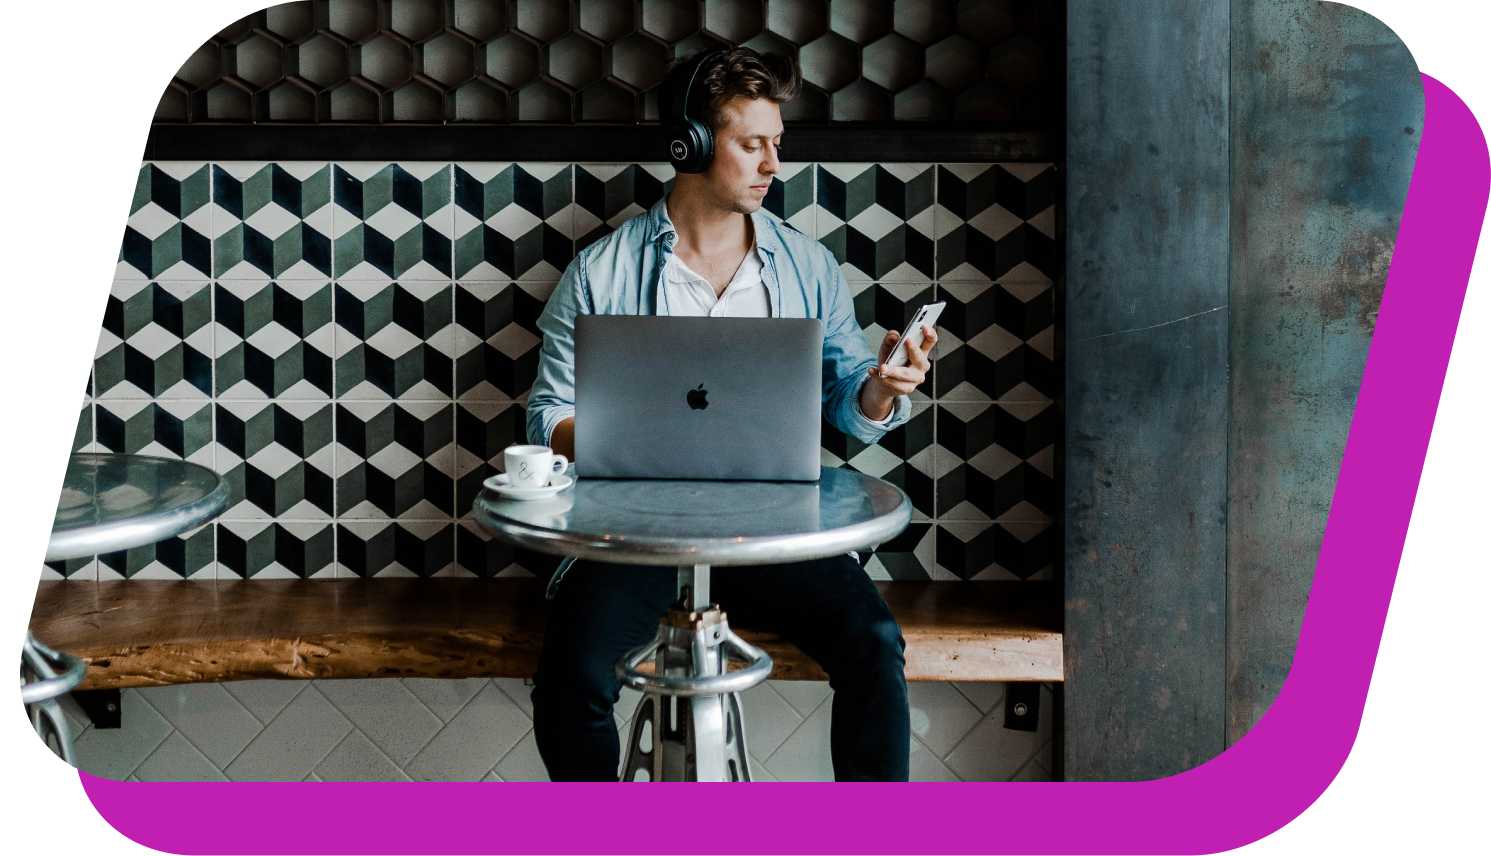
<point x="688" y="727"/>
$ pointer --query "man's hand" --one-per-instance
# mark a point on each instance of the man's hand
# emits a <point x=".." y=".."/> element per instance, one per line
<point x="878" y="397"/>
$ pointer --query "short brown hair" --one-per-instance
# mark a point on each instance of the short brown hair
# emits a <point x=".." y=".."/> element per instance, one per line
<point x="735" y="73"/>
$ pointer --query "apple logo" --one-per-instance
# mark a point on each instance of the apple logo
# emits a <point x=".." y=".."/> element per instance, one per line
<point x="697" y="400"/>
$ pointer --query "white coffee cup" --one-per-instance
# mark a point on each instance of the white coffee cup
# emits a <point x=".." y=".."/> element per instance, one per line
<point x="532" y="466"/>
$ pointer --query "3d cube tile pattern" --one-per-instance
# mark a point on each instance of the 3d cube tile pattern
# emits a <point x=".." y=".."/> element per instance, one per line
<point x="356" y="414"/>
<point x="392" y="221"/>
<point x="424" y="61"/>
<point x="156" y="341"/>
<point x="271" y="221"/>
<point x="166" y="234"/>
<point x="513" y="221"/>
<point x="273" y="339"/>
<point x="395" y="340"/>
<point x="391" y="729"/>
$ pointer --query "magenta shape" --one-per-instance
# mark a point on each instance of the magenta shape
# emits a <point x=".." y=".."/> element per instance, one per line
<point x="1233" y="799"/>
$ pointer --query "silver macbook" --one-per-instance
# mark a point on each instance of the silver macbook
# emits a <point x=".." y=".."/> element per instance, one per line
<point x="698" y="398"/>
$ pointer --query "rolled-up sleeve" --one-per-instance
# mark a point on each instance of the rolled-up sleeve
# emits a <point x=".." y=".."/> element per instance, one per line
<point x="552" y="399"/>
<point x="846" y="365"/>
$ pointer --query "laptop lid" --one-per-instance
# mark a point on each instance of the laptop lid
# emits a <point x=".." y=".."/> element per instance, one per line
<point x="698" y="398"/>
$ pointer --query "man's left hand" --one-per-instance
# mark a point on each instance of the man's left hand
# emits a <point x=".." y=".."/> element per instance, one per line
<point x="878" y="397"/>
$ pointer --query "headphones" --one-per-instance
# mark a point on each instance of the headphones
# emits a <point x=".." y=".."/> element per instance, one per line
<point x="690" y="140"/>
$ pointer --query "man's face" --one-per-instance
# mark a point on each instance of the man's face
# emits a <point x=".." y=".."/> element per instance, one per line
<point x="745" y="153"/>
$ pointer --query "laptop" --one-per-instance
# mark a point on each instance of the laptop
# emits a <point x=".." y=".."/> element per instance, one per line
<point x="698" y="398"/>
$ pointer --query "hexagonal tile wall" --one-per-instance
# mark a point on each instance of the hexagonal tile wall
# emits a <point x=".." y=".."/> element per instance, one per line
<point x="428" y="61"/>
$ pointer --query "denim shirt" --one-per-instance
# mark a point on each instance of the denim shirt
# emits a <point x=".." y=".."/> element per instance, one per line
<point x="621" y="274"/>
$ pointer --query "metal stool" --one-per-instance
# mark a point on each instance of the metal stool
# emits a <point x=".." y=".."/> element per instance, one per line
<point x="688" y="725"/>
<point x="45" y="676"/>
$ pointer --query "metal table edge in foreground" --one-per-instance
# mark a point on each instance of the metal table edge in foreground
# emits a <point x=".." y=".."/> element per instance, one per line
<point x="86" y="525"/>
<point x="689" y="724"/>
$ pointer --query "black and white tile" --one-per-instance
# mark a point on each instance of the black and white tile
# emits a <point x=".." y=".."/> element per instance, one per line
<point x="996" y="462"/>
<point x="183" y="557"/>
<point x="394" y="340"/>
<point x="996" y="342"/>
<point x="273" y="339"/>
<point x="996" y="222"/>
<point x="261" y="549"/>
<point x="513" y="221"/>
<point x="479" y="554"/>
<point x="607" y="195"/>
<point x="392" y="221"/>
<point x="1003" y="550"/>
<point x="165" y="237"/>
<point x="911" y="555"/>
<point x="277" y="458"/>
<point x="878" y="219"/>
<point x="483" y="430"/>
<point x="271" y="220"/>
<point x="395" y="460"/>
<point x="156" y="341"/>
<point x="791" y="195"/>
<point x="904" y="457"/>
<point x="497" y="338"/>
<point x="383" y="548"/>
<point x="173" y="428"/>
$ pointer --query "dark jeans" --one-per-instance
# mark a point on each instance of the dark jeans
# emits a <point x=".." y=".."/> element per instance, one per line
<point x="828" y="608"/>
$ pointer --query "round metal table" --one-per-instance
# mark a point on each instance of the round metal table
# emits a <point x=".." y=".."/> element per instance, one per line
<point x="110" y="502"/>
<point x="688" y="725"/>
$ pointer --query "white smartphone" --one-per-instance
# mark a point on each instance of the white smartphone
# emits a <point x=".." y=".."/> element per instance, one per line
<point x="913" y="336"/>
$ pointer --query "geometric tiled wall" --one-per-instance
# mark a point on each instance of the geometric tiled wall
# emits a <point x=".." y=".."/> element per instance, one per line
<point x="351" y="346"/>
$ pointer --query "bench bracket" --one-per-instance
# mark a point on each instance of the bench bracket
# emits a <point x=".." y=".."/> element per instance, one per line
<point x="105" y="709"/>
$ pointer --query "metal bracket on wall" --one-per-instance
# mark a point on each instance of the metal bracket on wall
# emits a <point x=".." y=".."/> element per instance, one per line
<point x="103" y="707"/>
<point x="1022" y="705"/>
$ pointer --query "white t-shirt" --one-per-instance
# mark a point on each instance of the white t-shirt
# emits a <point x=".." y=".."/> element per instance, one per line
<point x="689" y="294"/>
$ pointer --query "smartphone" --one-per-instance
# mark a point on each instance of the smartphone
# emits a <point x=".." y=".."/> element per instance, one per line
<point x="913" y="336"/>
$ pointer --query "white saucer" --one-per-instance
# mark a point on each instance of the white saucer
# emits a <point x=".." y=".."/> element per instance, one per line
<point x="500" y="484"/>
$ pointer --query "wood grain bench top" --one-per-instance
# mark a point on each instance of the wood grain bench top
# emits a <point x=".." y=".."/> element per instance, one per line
<point x="142" y="633"/>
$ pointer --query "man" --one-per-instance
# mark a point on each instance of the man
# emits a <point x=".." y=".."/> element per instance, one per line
<point x="707" y="249"/>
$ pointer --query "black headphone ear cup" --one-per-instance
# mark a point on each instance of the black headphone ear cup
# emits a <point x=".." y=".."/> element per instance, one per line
<point x="705" y="149"/>
<point x="706" y="145"/>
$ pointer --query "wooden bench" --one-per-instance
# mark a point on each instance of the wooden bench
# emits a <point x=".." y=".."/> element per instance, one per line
<point x="139" y="633"/>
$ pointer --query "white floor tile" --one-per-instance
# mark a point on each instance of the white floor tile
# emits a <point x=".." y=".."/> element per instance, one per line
<point x="925" y="767"/>
<point x="804" y="757"/>
<point x="523" y="763"/>
<point x="1032" y="772"/>
<point x="993" y="753"/>
<point x="985" y="695"/>
<point x="356" y="759"/>
<point x="177" y="760"/>
<point x="445" y="697"/>
<point x="386" y="712"/>
<point x="264" y="699"/>
<point x="293" y="744"/>
<point x="759" y="773"/>
<point x="492" y="777"/>
<point x="518" y="693"/>
<point x="940" y="715"/>
<point x="803" y="695"/>
<point x="769" y="719"/>
<point x="210" y="719"/>
<point x="114" y="753"/>
<point x="473" y="741"/>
